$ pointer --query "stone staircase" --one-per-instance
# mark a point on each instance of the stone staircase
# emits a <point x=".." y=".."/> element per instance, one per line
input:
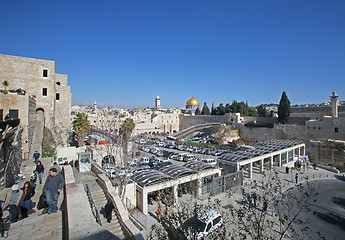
<point x="100" y="200"/>
<point x="38" y="224"/>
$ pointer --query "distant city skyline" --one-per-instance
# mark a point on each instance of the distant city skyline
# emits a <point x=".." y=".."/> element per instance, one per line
<point x="124" y="53"/>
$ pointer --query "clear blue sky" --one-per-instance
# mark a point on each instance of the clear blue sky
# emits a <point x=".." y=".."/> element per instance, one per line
<point x="124" y="52"/>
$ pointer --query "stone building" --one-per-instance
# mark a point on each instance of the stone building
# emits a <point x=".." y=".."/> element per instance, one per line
<point x="35" y="80"/>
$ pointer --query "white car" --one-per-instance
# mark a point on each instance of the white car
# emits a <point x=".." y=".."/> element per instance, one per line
<point x="209" y="222"/>
<point x="210" y="161"/>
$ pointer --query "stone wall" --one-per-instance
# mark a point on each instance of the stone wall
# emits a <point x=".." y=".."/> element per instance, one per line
<point x="320" y="130"/>
<point x="38" y="78"/>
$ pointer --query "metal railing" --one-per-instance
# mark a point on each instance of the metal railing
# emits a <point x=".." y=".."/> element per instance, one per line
<point x="92" y="205"/>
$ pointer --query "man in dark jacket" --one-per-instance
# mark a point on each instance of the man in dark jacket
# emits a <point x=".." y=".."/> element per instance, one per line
<point x="52" y="189"/>
<point x="36" y="156"/>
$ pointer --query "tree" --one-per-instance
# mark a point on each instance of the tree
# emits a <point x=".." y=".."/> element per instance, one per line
<point x="127" y="128"/>
<point x="277" y="212"/>
<point x="262" y="112"/>
<point x="220" y="109"/>
<point x="197" y="111"/>
<point x="213" y="110"/>
<point x="284" y="109"/>
<point x="5" y="84"/>
<point x="81" y="126"/>
<point x="205" y="110"/>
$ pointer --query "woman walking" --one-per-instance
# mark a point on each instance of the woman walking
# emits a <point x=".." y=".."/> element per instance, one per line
<point x="27" y="203"/>
<point x="40" y="171"/>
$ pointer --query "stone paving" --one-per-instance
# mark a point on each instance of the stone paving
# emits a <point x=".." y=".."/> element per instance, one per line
<point x="287" y="179"/>
<point x="38" y="225"/>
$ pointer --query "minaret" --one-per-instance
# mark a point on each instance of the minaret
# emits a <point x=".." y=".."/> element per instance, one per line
<point x="95" y="106"/>
<point x="158" y="102"/>
<point x="334" y="104"/>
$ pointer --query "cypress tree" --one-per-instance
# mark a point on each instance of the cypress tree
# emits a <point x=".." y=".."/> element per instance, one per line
<point x="205" y="110"/>
<point x="213" y="110"/>
<point x="284" y="109"/>
<point x="197" y="111"/>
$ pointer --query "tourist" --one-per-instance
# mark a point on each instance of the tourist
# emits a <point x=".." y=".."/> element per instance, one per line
<point x="36" y="156"/>
<point x="250" y="198"/>
<point x="56" y="166"/>
<point x="39" y="170"/>
<point x="109" y="207"/>
<point x="52" y="189"/>
<point x="265" y="206"/>
<point x="296" y="177"/>
<point x="12" y="200"/>
<point x="27" y="203"/>
<point x="255" y="197"/>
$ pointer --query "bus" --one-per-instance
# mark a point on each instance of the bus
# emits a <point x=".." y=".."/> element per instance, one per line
<point x="96" y="140"/>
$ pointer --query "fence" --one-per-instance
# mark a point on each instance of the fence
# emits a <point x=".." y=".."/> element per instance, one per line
<point x="221" y="184"/>
<point x="92" y="205"/>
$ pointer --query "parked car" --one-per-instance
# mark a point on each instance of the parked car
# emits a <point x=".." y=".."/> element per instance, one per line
<point x="203" y="226"/>
<point x="210" y="161"/>
<point x="162" y="164"/>
<point x="188" y="157"/>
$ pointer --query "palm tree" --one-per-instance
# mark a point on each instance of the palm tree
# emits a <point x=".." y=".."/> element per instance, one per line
<point x="81" y="126"/>
<point x="5" y="84"/>
<point x="127" y="128"/>
<point x="126" y="131"/>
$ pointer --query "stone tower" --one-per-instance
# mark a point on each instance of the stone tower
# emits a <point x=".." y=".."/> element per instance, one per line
<point x="158" y="102"/>
<point x="334" y="104"/>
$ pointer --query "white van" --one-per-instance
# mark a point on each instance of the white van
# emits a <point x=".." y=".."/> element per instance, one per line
<point x="145" y="159"/>
<point x="210" y="161"/>
<point x="209" y="222"/>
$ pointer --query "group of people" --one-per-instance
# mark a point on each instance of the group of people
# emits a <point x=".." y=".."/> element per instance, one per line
<point x="252" y="200"/>
<point x="18" y="201"/>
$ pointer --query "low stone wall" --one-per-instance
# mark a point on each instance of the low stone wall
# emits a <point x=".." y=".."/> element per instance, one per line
<point x="128" y="228"/>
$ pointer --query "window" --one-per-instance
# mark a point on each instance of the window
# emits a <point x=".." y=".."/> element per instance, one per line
<point x="58" y="96"/>
<point x="217" y="220"/>
<point x="13" y="113"/>
<point x="1" y="114"/>
<point x="44" y="91"/>
<point x="58" y="83"/>
<point x="45" y="73"/>
<point x="208" y="227"/>
<point x="336" y="130"/>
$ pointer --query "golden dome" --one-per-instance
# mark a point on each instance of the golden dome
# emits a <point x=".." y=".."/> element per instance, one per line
<point x="192" y="102"/>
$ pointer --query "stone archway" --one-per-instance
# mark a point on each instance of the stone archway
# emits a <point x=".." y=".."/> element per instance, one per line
<point x="108" y="160"/>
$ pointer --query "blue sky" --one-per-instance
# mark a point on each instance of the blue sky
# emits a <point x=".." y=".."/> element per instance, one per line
<point x="123" y="53"/>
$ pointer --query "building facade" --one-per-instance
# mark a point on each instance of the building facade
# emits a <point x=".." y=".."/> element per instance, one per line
<point x="37" y="79"/>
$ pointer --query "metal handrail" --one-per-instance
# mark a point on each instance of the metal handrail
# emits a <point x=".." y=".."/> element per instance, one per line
<point x="93" y="205"/>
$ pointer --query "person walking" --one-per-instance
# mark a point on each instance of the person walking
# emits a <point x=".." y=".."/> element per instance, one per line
<point x="52" y="188"/>
<point x="36" y="156"/>
<point x="12" y="200"/>
<point x="296" y="178"/>
<point x="39" y="170"/>
<point x="255" y="197"/>
<point x="250" y="198"/>
<point x="109" y="207"/>
<point x="27" y="203"/>
<point x="56" y="165"/>
<point x="265" y="206"/>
